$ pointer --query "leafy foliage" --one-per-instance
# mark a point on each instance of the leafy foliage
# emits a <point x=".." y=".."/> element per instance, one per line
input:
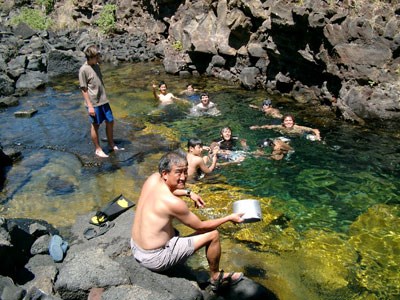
<point x="107" y="20"/>
<point x="33" y="18"/>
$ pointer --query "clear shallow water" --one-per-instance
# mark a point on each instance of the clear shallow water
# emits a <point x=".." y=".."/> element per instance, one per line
<point x="331" y="210"/>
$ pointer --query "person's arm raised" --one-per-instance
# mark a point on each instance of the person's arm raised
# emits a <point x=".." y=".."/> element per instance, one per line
<point x="155" y="92"/>
<point x="211" y="168"/>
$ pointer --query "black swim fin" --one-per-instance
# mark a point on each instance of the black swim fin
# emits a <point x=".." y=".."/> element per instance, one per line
<point x="112" y="210"/>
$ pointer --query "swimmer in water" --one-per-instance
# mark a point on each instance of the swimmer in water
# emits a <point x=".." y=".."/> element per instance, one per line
<point x="205" y="107"/>
<point x="228" y="146"/>
<point x="198" y="165"/>
<point x="190" y="93"/>
<point x="288" y="126"/>
<point x="267" y="109"/>
<point x="163" y="96"/>
<point x="280" y="148"/>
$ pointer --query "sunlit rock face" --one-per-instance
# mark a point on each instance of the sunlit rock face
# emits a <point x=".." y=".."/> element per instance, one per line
<point x="347" y="53"/>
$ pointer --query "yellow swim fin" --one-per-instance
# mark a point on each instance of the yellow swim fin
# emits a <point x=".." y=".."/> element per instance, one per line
<point x="112" y="210"/>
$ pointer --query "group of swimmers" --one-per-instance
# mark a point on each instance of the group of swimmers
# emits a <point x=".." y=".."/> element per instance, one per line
<point x="202" y="105"/>
<point x="225" y="149"/>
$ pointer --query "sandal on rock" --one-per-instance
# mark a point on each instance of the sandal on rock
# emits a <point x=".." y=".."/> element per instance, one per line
<point x="91" y="233"/>
<point x="224" y="281"/>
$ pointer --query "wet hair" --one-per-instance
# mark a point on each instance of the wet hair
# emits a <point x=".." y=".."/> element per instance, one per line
<point x="267" y="102"/>
<point x="91" y="51"/>
<point x="203" y="95"/>
<point x="161" y="83"/>
<point x="288" y="116"/>
<point x="266" y="143"/>
<point x="193" y="142"/>
<point x="223" y="128"/>
<point x="170" y="159"/>
<point x="189" y="84"/>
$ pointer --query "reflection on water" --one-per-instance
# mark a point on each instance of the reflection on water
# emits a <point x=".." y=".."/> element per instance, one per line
<point x="330" y="211"/>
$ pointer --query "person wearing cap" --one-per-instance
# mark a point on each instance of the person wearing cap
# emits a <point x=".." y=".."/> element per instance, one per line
<point x="96" y="101"/>
<point x="267" y="109"/>
<point x="289" y="126"/>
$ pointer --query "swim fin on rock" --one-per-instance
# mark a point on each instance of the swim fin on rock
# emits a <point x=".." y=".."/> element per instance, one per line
<point x="112" y="210"/>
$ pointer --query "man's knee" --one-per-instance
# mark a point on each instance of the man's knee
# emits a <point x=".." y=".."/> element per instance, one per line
<point x="205" y="239"/>
<point x="214" y="235"/>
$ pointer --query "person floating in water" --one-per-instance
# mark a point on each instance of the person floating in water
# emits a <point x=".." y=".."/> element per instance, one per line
<point x="267" y="109"/>
<point x="190" y="93"/>
<point x="163" y="96"/>
<point x="280" y="147"/>
<point x="156" y="244"/>
<point x="228" y="146"/>
<point x="205" y="107"/>
<point x="96" y="101"/>
<point x="288" y="126"/>
<point x="198" y="165"/>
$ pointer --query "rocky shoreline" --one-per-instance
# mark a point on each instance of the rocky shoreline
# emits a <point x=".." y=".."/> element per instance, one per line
<point x="96" y="268"/>
<point x="343" y="55"/>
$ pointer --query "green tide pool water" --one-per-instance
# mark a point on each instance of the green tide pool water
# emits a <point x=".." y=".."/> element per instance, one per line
<point x="331" y="209"/>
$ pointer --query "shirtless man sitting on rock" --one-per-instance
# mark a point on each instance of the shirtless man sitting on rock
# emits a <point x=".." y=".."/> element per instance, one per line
<point x="155" y="243"/>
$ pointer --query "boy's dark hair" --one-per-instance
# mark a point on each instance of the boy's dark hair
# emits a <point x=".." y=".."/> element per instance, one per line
<point x="204" y="94"/>
<point x="290" y="116"/>
<point x="193" y="142"/>
<point x="170" y="159"/>
<point x="223" y="128"/>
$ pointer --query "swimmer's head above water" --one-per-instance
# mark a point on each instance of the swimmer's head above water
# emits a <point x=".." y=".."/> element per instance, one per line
<point x="266" y="102"/>
<point x="266" y="143"/>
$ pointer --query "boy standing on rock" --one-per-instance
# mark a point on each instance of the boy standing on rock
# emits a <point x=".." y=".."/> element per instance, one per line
<point x="96" y="102"/>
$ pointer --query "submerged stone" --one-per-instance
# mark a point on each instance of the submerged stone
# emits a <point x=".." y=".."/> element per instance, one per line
<point x="374" y="235"/>
<point x="25" y="113"/>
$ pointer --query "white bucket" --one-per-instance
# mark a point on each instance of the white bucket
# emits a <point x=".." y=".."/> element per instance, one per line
<point x="251" y="209"/>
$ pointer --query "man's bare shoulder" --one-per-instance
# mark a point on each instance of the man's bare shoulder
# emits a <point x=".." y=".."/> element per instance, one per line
<point x="197" y="159"/>
<point x="154" y="177"/>
<point x="176" y="205"/>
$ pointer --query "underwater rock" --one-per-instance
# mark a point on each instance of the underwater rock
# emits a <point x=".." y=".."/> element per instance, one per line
<point x="58" y="186"/>
<point x="379" y="265"/>
<point x="25" y="113"/>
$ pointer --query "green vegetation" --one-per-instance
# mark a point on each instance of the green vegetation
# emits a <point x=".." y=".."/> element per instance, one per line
<point x="177" y="45"/>
<point x="107" y="19"/>
<point x="34" y="18"/>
